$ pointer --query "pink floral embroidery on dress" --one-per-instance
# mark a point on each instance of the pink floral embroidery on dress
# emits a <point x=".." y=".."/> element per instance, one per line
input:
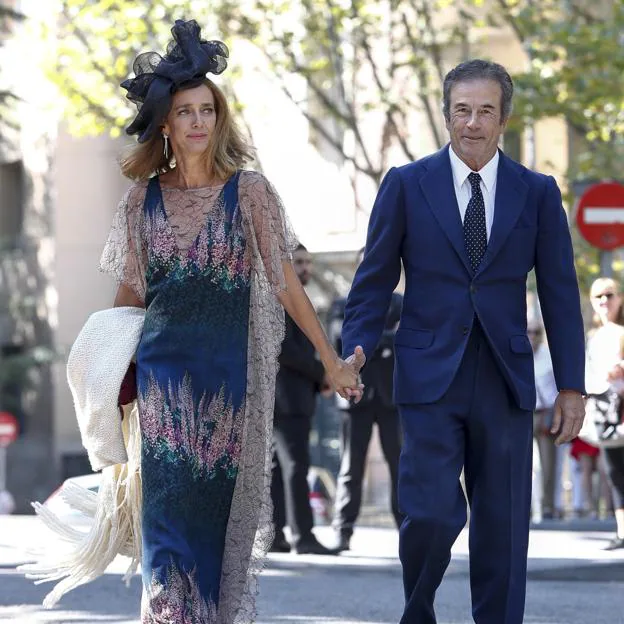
<point x="207" y="434"/>
<point x="218" y="251"/>
<point x="177" y="600"/>
<point x="161" y="245"/>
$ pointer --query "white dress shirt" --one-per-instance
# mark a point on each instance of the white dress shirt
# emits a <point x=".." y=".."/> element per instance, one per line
<point x="463" y="192"/>
<point x="545" y="384"/>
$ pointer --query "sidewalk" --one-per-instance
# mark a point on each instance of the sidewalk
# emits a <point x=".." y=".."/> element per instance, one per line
<point x="571" y="580"/>
<point x="373" y="516"/>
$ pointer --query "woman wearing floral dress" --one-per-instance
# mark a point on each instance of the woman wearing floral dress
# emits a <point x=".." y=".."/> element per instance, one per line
<point x="204" y="247"/>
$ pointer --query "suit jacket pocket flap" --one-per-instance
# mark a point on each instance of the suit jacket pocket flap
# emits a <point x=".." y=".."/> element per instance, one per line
<point x="414" y="338"/>
<point x="520" y="344"/>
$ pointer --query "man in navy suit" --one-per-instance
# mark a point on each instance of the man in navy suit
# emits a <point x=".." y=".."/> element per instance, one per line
<point x="468" y="224"/>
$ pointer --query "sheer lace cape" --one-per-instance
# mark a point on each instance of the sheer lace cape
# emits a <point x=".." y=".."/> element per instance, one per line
<point x="270" y="242"/>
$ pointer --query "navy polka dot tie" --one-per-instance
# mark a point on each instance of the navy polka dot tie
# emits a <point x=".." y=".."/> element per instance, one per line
<point x="475" y="232"/>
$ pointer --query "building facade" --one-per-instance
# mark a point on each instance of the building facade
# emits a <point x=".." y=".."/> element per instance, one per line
<point x="27" y="297"/>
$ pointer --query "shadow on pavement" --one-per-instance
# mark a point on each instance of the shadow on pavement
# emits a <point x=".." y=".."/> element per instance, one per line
<point x="577" y="525"/>
<point x="107" y="596"/>
<point x="581" y="572"/>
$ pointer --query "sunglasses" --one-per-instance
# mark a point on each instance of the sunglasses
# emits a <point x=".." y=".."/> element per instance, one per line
<point x="608" y="295"/>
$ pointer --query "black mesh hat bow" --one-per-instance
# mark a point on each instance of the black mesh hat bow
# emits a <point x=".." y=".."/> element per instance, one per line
<point x="187" y="61"/>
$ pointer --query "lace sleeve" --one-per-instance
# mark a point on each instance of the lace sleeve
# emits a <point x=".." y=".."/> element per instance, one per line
<point x="274" y="238"/>
<point x="124" y="254"/>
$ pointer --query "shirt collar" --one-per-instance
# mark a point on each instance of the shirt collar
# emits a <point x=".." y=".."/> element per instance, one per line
<point x="461" y="170"/>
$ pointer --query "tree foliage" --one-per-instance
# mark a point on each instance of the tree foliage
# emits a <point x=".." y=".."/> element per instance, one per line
<point x="576" y="53"/>
<point x="372" y="69"/>
<point x="9" y="17"/>
<point x="96" y="41"/>
<point x="361" y="59"/>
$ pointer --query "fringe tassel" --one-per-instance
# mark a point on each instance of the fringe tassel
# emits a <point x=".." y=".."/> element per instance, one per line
<point x="116" y="528"/>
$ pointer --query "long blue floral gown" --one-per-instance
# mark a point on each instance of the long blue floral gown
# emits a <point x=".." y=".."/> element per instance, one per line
<point x="207" y="264"/>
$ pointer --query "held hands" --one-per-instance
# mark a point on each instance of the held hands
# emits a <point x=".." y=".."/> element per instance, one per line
<point x="357" y="359"/>
<point x="568" y="417"/>
<point x="344" y="375"/>
<point x="326" y="387"/>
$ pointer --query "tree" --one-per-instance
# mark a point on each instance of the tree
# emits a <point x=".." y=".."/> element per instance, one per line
<point x="333" y="47"/>
<point x="360" y="59"/>
<point x="8" y="18"/>
<point x="576" y="53"/>
<point x="368" y="67"/>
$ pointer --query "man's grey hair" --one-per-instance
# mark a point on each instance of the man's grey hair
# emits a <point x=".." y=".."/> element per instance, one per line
<point x="477" y="69"/>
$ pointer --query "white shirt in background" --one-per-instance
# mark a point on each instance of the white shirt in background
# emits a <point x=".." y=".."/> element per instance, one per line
<point x="545" y="384"/>
<point x="463" y="190"/>
<point x="602" y="354"/>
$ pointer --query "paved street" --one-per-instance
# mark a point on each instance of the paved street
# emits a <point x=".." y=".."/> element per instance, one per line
<point x="571" y="581"/>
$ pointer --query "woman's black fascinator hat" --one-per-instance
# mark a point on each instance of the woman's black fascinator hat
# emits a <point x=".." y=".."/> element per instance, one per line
<point x="187" y="61"/>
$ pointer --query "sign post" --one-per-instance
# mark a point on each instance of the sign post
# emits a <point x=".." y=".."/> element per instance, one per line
<point x="600" y="220"/>
<point x="9" y="429"/>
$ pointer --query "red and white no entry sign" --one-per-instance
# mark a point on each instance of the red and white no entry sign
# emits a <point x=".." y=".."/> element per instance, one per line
<point x="600" y="215"/>
<point x="9" y="428"/>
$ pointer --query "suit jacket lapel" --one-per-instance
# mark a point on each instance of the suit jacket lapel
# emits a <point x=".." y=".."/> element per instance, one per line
<point x="511" y="195"/>
<point x="439" y="191"/>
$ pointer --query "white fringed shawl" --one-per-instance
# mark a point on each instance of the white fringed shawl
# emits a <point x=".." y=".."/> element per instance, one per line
<point x="96" y="366"/>
<point x="97" y="363"/>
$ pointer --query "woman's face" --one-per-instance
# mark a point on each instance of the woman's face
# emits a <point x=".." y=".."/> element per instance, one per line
<point x="606" y="300"/>
<point x="191" y="121"/>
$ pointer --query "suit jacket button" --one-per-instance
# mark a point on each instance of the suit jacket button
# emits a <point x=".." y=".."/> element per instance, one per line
<point x="465" y="330"/>
<point x="473" y="289"/>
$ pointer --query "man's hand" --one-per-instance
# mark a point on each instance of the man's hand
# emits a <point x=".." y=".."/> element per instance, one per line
<point x="357" y="359"/>
<point x="569" y="413"/>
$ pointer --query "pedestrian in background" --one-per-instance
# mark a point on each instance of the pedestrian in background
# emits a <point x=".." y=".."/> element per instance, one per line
<point x="300" y="378"/>
<point x="588" y="463"/>
<point x="551" y="456"/>
<point x="376" y="407"/>
<point x="605" y="373"/>
<point x="204" y="247"/>
<point x="468" y="224"/>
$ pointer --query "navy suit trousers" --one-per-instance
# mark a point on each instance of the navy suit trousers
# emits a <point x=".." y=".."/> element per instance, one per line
<point x="475" y="426"/>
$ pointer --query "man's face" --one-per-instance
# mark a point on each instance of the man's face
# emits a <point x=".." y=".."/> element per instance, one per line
<point x="302" y="261"/>
<point x="476" y="122"/>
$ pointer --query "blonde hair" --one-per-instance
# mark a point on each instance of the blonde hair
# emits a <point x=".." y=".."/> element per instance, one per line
<point x="606" y="282"/>
<point x="228" y="150"/>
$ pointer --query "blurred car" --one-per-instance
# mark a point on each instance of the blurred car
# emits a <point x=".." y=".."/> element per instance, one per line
<point x="58" y="505"/>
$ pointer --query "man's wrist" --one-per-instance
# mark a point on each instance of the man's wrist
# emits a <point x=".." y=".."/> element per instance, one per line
<point x="569" y="391"/>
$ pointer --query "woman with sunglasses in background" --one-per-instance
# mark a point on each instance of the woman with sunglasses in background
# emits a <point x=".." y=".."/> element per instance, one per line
<point x="605" y="372"/>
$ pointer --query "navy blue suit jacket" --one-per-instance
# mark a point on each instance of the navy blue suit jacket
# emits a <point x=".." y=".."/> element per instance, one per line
<point x="416" y="221"/>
